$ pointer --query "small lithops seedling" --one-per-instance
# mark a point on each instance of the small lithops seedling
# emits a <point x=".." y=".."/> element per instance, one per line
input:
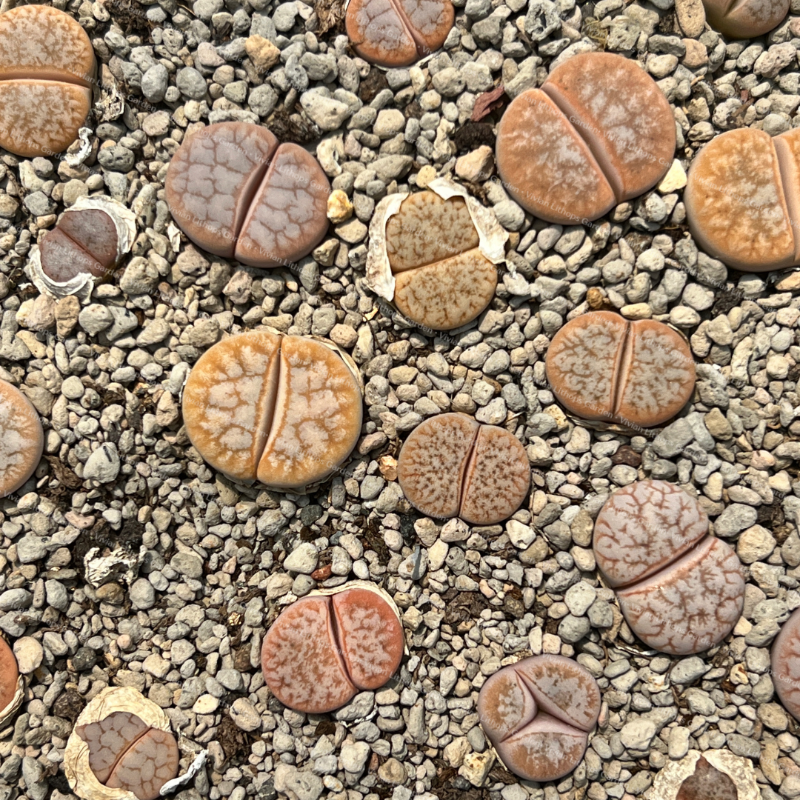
<point x="325" y="648"/>
<point x="746" y="19"/>
<point x="598" y="132"/>
<point x="46" y="68"/>
<point x="21" y="439"/>
<point x="538" y="714"/>
<point x="121" y="748"/>
<point x="283" y="409"/>
<point x="86" y="245"/>
<point x="433" y="255"/>
<point x="11" y="693"/>
<point x="451" y="465"/>
<point x="743" y="199"/>
<point x="603" y="367"/>
<point x="680" y="590"/>
<point x="237" y="193"/>
<point x="712" y="775"/>
<point x="786" y="664"/>
<point x="396" y="33"/>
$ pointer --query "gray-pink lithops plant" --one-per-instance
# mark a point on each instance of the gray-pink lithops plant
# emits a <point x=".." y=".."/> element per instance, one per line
<point x="786" y="664"/>
<point x="538" y="714"/>
<point x="680" y="590"/>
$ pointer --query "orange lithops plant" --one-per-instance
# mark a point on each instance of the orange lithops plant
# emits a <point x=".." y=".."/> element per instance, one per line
<point x="451" y="465"/>
<point x="743" y="199"/>
<point x="603" y="367"/>
<point x="46" y="70"/>
<point x="745" y="19"/>
<point x="21" y="439"/>
<point x="281" y="409"/>
<point x="598" y="132"/>
<point x="10" y="685"/>
<point x="396" y="33"/>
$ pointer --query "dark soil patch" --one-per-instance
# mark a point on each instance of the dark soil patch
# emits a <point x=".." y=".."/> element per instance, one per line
<point x="473" y="135"/>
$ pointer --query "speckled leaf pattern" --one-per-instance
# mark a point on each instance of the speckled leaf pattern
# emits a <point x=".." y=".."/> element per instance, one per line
<point x="505" y="704"/>
<point x="314" y="664"/>
<point x="429" y="22"/>
<point x="745" y="19"/>
<point x="9" y="673"/>
<point x="94" y="231"/>
<point x="63" y="258"/>
<point x="21" y="439"/>
<point x="786" y="664"/>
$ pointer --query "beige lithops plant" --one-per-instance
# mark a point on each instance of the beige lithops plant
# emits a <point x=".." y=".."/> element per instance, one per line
<point x="46" y="70"/>
<point x="285" y="410"/>
<point x="21" y="439"/>
<point x="433" y="255"/>
<point x="711" y="775"/>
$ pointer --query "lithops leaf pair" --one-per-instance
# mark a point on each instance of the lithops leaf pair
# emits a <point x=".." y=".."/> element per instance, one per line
<point x="238" y="193"/>
<point x="538" y="714"/>
<point x="598" y="132"/>
<point x="745" y="19"/>
<point x="680" y="590"/>
<point x="743" y="199"/>
<point x="603" y="367"/>
<point x="325" y="648"/>
<point x="451" y="465"/>
<point x="711" y="775"/>
<point x="121" y="748"/>
<point x="86" y="245"/>
<point x="46" y="70"/>
<point x="285" y="410"/>
<point x="11" y="686"/>
<point x="21" y="439"/>
<point x="433" y="255"/>
<point x="396" y="33"/>
<point x="786" y="664"/>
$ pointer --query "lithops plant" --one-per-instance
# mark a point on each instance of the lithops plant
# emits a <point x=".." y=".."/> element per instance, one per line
<point x="786" y="664"/>
<point x="598" y="132"/>
<point x="285" y="410"/>
<point x="11" y="684"/>
<point x="396" y="33"/>
<point x="238" y="193"/>
<point x="743" y="199"/>
<point x="328" y="646"/>
<point x="711" y="775"/>
<point x="433" y="255"/>
<point x="21" y="439"/>
<point x="86" y="246"/>
<point x="603" y="367"/>
<point x="680" y="590"/>
<point x="451" y="465"/>
<point x="745" y="19"/>
<point x="538" y="714"/>
<point x="122" y="748"/>
<point x="46" y="70"/>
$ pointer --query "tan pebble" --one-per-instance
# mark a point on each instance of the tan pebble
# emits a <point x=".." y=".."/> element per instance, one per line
<point x="339" y="207"/>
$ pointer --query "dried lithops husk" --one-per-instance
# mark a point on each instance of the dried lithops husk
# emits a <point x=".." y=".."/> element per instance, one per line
<point x="237" y="193"/>
<point x="786" y="664"/>
<point x="21" y="439"/>
<point x="538" y="713"/>
<point x="697" y="777"/>
<point x="396" y="33"/>
<point x="433" y="255"/>
<point x="285" y="410"/>
<point x="680" y="590"/>
<point x="603" y="367"/>
<point x="107" y="720"/>
<point x="451" y="465"/>
<point x="743" y="199"/>
<point x="46" y="68"/>
<point x="746" y="19"/>
<point x="597" y="133"/>
<point x="12" y="687"/>
<point x="326" y="647"/>
<point x="90" y="239"/>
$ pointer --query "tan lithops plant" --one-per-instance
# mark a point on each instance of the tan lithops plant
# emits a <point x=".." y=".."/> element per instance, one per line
<point x="87" y="244"/>
<point x="711" y="775"/>
<point x="745" y="19"/>
<point x="122" y="748"/>
<point x="786" y="664"/>
<point x="597" y="133"/>
<point x="743" y="199"/>
<point x="11" y="684"/>
<point x="21" y="439"/>
<point x="285" y="410"/>
<point x="433" y="255"/>
<point x="451" y="465"/>
<point x="46" y="69"/>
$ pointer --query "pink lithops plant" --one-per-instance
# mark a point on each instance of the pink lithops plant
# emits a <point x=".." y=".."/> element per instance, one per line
<point x="538" y="714"/>
<point x="237" y="193"/>
<point x="680" y="590"/>
<point x="603" y="367"/>
<point x="396" y="33"/>
<point x="786" y="664"/>
<point x="451" y="465"/>
<point x="325" y="648"/>
<point x="743" y="199"/>
<point x="281" y="409"/>
<point x="598" y="132"/>
<point x="21" y="439"/>
<point x="746" y="19"/>
<point x="46" y="70"/>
